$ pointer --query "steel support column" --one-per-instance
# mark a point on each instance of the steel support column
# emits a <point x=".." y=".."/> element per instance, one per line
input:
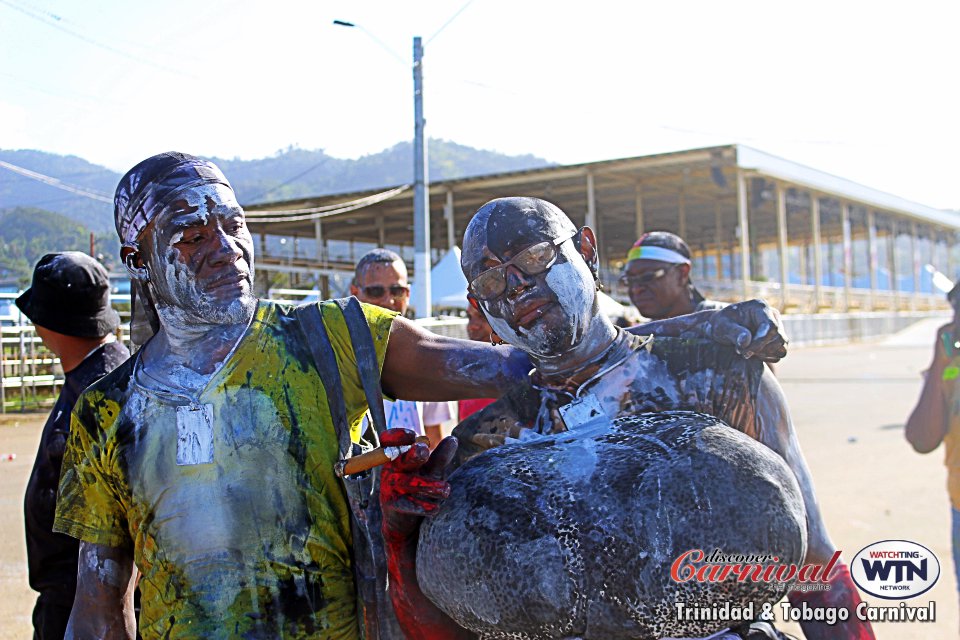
<point x="892" y="254"/>
<point x="847" y="253"/>
<point x="915" y="256"/>
<point x="718" y="237"/>
<point x="381" y="231"/>
<point x="782" y="243"/>
<point x="448" y="216"/>
<point x="744" y="221"/>
<point x="872" y="256"/>
<point x="682" y="214"/>
<point x="591" y="217"/>
<point x="638" y="224"/>
<point x="949" y="237"/>
<point x="817" y="250"/>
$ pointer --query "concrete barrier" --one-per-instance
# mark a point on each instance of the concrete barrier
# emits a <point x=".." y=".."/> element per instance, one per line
<point x="840" y="328"/>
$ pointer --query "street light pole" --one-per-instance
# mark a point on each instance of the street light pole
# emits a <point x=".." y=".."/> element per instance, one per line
<point x="421" y="194"/>
<point x="421" y="182"/>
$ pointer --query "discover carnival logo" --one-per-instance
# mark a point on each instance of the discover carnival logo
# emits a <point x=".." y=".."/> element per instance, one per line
<point x="895" y="569"/>
<point x="718" y="566"/>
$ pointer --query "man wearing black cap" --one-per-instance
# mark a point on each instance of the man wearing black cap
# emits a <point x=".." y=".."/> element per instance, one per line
<point x="69" y="305"/>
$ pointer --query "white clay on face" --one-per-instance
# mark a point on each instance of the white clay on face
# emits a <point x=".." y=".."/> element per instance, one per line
<point x="176" y="284"/>
<point x="219" y="193"/>
<point x="572" y="284"/>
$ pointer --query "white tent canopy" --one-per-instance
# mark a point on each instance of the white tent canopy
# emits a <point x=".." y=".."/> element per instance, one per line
<point x="448" y="286"/>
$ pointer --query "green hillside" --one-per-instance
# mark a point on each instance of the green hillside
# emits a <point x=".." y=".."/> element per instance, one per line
<point x="27" y="233"/>
<point x="19" y="191"/>
<point x="288" y="174"/>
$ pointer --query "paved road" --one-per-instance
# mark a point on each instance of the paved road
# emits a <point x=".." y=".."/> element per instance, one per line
<point x="848" y="404"/>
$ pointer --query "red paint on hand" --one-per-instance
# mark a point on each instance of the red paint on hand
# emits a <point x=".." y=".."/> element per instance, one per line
<point x="842" y="593"/>
<point x="411" y="487"/>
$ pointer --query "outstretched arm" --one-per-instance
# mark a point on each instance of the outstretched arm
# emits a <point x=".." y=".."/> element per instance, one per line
<point x="103" y="606"/>
<point x="776" y="431"/>
<point x="420" y="365"/>
<point x="753" y="327"/>
<point x="928" y="423"/>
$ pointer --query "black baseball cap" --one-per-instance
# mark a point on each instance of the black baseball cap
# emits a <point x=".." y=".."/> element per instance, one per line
<point x="70" y="294"/>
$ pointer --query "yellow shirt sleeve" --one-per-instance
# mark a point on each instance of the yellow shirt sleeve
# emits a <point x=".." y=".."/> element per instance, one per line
<point x="89" y="504"/>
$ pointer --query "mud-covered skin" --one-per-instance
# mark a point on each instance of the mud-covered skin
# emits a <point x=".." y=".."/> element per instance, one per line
<point x="543" y="314"/>
<point x="573" y="357"/>
<point x="675" y="373"/>
<point x="578" y="534"/>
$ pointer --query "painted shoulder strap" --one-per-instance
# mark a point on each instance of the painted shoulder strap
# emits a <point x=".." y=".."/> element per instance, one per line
<point x="366" y="356"/>
<point x="317" y="340"/>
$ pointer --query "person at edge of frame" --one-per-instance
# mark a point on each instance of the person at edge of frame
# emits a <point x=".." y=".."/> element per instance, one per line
<point x="936" y="416"/>
<point x="68" y="303"/>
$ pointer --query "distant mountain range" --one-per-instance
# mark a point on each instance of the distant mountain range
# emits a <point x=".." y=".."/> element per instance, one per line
<point x="37" y="218"/>
<point x="293" y="173"/>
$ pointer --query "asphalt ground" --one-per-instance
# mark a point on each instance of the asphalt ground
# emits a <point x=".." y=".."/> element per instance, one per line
<point x="848" y="404"/>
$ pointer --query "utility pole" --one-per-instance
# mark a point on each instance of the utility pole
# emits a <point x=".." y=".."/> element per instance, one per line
<point x="421" y="194"/>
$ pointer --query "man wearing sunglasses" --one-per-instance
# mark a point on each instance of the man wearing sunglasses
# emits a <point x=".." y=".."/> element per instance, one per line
<point x="534" y="275"/>
<point x="657" y="278"/>
<point x="380" y="278"/>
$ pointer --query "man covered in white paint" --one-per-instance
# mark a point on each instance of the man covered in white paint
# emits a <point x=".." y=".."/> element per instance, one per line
<point x="535" y="277"/>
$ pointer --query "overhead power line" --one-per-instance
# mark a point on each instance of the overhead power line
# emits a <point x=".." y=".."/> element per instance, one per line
<point x="290" y="180"/>
<point x="315" y="213"/>
<point x="447" y="23"/>
<point x="54" y="182"/>
<point x="56" y="21"/>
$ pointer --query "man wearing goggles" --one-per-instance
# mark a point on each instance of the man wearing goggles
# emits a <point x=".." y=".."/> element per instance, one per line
<point x="534" y="276"/>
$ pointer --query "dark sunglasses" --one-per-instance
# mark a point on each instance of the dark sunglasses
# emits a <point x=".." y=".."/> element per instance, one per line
<point x="644" y="278"/>
<point x="531" y="261"/>
<point x="378" y="291"/>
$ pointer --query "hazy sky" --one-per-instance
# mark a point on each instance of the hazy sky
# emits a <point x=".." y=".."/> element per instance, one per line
<point x="865" y="90"/>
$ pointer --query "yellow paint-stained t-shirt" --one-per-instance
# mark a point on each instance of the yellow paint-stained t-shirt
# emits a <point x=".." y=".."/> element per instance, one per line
<point x="255" y="544"/>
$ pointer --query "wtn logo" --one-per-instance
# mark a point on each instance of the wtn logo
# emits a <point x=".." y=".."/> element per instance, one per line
<point x="903" y="569"/>
<point x="895" y="569"/>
